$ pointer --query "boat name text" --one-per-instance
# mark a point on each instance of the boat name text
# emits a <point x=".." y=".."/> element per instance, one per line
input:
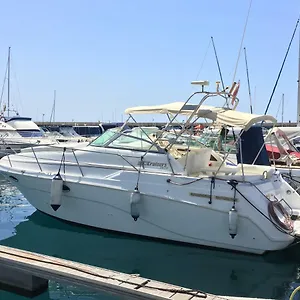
<point x="146" y="163"/>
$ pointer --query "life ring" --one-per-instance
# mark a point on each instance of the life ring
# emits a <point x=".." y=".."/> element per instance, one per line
<point x="275" y="207"/>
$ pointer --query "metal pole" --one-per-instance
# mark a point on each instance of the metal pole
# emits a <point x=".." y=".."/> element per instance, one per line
<point x="54" y="106"/>
<point x="249" y="90"/>
<point x="8" y="82"/>
<point x="282" y="109"/>
<point x="298" y="106"/>
<point x="242" y="161"/>
<point x="223" y="87"/>
<point x="286" y="54"/>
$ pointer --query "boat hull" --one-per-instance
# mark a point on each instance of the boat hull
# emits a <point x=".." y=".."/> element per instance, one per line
<point x="107" y="206"/>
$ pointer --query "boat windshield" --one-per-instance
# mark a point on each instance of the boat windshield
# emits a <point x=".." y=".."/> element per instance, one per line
<point x="135" y="139"/>
<point x="101" y="140"/>
<point x="218" y="140"/>
<point x="30" y="133"/>
<point x="68" y="131"/>
<point x="184" y="139"/>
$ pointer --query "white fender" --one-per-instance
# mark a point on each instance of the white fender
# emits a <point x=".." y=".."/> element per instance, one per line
<point x="233" y="220"/>
<point x="135" y="198"/>
<point x="56" y="192"/>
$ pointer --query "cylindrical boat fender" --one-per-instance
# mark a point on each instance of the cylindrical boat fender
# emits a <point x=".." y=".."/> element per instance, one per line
<point x="56" y="192"/>
<point x="233" y="220"/>
<point x="135" y="198"/>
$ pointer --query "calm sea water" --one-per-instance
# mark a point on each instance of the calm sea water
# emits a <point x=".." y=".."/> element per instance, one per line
<point x="271" y="276"/>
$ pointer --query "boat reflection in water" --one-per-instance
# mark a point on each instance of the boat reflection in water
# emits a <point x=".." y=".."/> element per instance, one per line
<point x="214" y="271"/>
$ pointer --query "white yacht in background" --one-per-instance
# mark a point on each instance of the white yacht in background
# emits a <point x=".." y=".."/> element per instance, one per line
<point x="135" y="181"/>
<point x="24" y="126"/>
<point x="17" y="132"/>
<point x="63" y="134"/>
<point x="11" y="141"/>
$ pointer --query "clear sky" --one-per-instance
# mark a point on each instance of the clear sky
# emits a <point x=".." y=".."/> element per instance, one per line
<point x="104" y="56"/>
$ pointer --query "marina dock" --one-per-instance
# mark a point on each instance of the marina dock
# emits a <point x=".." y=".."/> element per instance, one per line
<point x="29" y="272"/>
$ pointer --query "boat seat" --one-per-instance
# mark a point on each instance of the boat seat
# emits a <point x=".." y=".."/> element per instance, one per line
<point x="196" y="161"/>
<point x="200" y="162"/>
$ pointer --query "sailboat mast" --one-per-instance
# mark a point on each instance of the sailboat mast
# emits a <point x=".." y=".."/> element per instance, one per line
<point x="298" y="106"/>
<point x="54" y="105"/>
<point x="282" y="109"/>
<point x="52" y="116"/>
<point x="8" y="82"/>
<point x="249" y="90"/>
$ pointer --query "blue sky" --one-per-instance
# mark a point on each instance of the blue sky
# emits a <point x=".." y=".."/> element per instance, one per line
<point x="104" y="56"/>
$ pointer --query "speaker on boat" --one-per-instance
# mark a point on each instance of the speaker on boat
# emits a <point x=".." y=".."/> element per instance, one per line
<point x="56" y="192"/>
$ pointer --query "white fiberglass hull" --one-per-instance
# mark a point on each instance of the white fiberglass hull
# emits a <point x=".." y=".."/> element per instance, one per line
<point x="192" y="221"/>
<point x="98" y="185"/>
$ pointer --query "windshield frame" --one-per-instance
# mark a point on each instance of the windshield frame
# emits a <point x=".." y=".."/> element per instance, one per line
<point x="119" y="133"/>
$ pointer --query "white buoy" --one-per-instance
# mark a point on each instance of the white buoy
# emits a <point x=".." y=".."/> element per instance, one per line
<point x="56" y="192"/>
<point x="135" y="198"/>
<point x="233" y="220"/>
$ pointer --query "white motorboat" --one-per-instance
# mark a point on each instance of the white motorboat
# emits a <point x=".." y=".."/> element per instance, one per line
<point x="63" y="134"/>
<point x="11" y="141"/>
<point x="131" y="181"/>
<point x="17" y="132"/>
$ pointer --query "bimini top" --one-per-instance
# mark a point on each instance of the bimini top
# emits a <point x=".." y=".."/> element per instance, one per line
<point x="220" y="115"/>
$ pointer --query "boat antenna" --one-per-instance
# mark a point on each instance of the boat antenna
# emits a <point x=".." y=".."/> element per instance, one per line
<point x="268" y="105"/>
<point x="249" y="90"/>
<point x="212" y="40"/>
<point x="237" y="61"/>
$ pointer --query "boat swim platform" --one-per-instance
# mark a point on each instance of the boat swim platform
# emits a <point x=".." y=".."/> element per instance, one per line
<point x="28" y="273"/>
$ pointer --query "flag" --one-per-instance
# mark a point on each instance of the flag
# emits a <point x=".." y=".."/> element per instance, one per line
<point x="234" y="92"/>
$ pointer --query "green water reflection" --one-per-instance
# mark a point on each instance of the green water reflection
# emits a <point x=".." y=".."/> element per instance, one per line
<point x="219" y="272"/>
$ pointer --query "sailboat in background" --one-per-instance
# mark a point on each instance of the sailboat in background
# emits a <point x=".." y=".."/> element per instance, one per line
<point x="17" y="132"/>
<point x="283" y="144"/>
<point x="64" y="133"/>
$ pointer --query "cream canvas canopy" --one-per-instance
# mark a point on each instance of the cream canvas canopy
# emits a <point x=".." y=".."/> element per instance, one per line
<point x="220" y="115"/>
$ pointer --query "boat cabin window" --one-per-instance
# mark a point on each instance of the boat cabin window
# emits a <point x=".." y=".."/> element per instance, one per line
<point x="30" y="133"/>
